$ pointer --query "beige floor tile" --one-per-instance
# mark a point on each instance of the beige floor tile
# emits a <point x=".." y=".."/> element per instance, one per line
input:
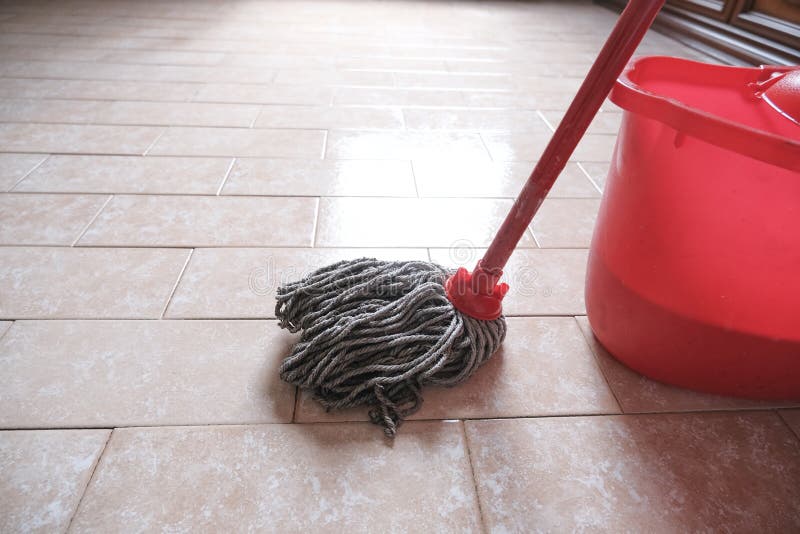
<point x="4" y="326"/>
<point x="241" y="283"/>
<point x="46" y="219"/>
<point x="96" y="89"/>
<point x="392" y="63"/>
<point x="318" y="117"/>
<point x="544" y="367"/>
<point x="53" y="111"/>
<point x="404" y="145"/>
<point x="529" y="99"/>
<point x="492" y="81"/>
<point x="329" y="77"/>
<point x="127" y="174"/>
<point x="44" y="475"/>
<point x="137" y="73"/>
<point x="565" y="222"/>
<point x="264" y="94"/>
<point x="179" y="114"/>
<point x="474" y="119"/>
<point x="320" y="178"/>
<point x="14" y="167"/>
<point x="792" y="418"/>
<point x="543" y="281"/>
<point x="385" y="222"/>
<point x="268" y="59"/>
<point x="40" y="282"/>
<point x="606" y="122"/>
<point x="240" y="142"/>
<point x="279" y="478"/>
<point x="164" y="57"/>
<point x="597" y="171"/>
<point x="140" y="220"/>
<point x="458" y="178"/>
<point x="21" y="53"/>
<point x="659" y="473"/>
<point x="77" y="139"/>
<point x="370" y="96"/>
<point x="123" y="373"/>
<point x="637" y="393"/>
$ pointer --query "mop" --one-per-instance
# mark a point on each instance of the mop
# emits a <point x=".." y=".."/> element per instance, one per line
<point x="376" y="332"/>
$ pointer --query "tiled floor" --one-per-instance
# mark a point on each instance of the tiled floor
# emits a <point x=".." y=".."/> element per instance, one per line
<point x="165" y="165"/>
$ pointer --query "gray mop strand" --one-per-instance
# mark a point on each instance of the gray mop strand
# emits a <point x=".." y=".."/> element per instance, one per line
<point x="375" y="332"/>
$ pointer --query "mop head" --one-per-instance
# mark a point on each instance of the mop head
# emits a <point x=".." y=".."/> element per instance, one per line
<point x="376" y="332"/>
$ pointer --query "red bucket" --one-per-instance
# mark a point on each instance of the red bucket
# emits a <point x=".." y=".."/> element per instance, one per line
<point x="694" y="268"/>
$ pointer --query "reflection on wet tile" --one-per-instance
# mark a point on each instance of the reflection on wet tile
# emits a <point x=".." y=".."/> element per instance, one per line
<point x="565" y="222"/>
<point x="506" y="146"/>
<point x="597" y="172"/>
<point x="474" y="119"/>
<point x="459" y="178"/>
<point x="404" y="145"/>
<point x="251" y="176"/>
<point x="382" y="222"/>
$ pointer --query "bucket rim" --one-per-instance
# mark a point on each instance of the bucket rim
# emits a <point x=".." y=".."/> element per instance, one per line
<point x="726" y="133"/>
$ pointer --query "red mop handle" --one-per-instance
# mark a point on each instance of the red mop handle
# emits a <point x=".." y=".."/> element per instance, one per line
<point x="472" y="293"/>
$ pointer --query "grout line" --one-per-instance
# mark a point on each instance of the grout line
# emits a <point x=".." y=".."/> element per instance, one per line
<point x="159" y="136"/>
<point x="589" y="176"/>
<point x="42" y="162"/>
<point x="96" y="215"/>
<point x="7" y="329"/>
<point x="786" y="423"/>
<point x="89" y="482"/>
<point x="225" y="177"/>
<point x="177" y="282"/>
<point x="314" y="228"/>
<point x="485" y="146"/>
<point x="295" y="403"/>
<point x="258" y="116"/>
<point x="591" y="344"/>
<point x="414" y="179"/>
<point x="484" y="526"/>
<point x="547" y="122"/>
<point x="325" y="144"/>
<point x="529" y="228"/>
<point x="718" y="411"/>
